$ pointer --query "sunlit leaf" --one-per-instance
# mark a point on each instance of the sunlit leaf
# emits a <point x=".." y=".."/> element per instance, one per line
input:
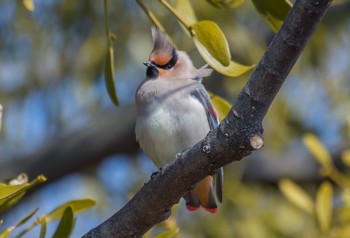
<point x="318" y="150"/>
<point x="221" y="105"/>
<point x="345" y="157"/>
<point x="213" y="39"/>
<point x="324" y="206"/>
<point x="109" y="76"/>
<point x="7" y="232"/>
<point x="7" y="191"/>
<point x="296" y="195"/>
<point x="29" y="4"/>
<point x="341" y="231"/>
<point x="7" y="203"/>
<point x="226" y="3"/>
<point x="232" y="70"/>
<point x="347" y="120"/>
<point x="26" y="218"/>
<point x="273" y="11"/>
<point x="0" y="117"/>
<point x="43" y="227"/>
<point x="76" y="205"/>
<point x="168" y="234"/>
<point x="185" y="9"/>
<point x="66" y="224"/>
<point x="10" y="194"/>
<point x="343" y="214"/>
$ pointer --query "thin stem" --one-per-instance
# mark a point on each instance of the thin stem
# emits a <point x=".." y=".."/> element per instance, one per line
<point x="150" y="15"/>
<point x="108" y="32"/>
<point x="173" y="11"/>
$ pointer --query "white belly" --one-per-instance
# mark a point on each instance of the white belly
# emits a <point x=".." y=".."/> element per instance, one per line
<point x="164" y="133"/>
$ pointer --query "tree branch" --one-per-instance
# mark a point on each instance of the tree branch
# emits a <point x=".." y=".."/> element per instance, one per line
<point x="237" y="136"/>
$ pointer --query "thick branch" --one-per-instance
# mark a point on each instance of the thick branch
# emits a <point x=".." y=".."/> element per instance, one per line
<point x="231" y="141"/>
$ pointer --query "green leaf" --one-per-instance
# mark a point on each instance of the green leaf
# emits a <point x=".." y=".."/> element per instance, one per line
<point x="109" y="76"/>
<point x="26" y="218"/>
<point x="317" y="149"/>
<point x="185" y="9"/>
<point x="168" y="234"/>
<point x="11" y="194"/>
<point x="10" y="229"/>
<point x="66" y="224"/>
<point x="212" y="45"/>
<point x="29" y="4"/>
<point x="226" y="3"/>
<point x="7" y="203"/>
<point x="221" y="105"/>
<point x="7" y="191"/>
<point x="7" y="232"/>
<point x="296" y="195"/>
<point x="345" y="157"/>
<point x="273" y="12"/>
<point x="213" y="39"/>
<point x="324" y="206"/>
<point x="76" y="205"/>
<point x="0" y="117"/>
<point x="43" y="227"/>
<point x="232" y="70"/>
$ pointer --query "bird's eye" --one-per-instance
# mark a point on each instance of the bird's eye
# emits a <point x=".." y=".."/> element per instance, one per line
<point x="171" y="62"/>
<point x="169" y="66"/>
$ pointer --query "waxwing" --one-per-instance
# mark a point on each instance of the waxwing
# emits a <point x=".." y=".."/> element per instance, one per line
<point x="174" y="112"/>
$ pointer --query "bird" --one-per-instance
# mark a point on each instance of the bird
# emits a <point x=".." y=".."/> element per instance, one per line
<point x="174" y="112"/>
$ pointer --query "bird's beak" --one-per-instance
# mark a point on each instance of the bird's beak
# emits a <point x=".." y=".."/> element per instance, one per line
<point x="149" y="64"/>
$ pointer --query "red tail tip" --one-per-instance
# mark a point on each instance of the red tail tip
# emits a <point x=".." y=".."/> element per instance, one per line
<point x="190" y="208"/>
<point x="211" y="210"/>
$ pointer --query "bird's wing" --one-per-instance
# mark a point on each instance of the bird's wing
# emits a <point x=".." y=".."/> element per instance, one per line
<point x="202" y="96"/>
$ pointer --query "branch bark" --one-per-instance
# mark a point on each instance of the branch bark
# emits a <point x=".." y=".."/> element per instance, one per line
<point x="237" y="136"/>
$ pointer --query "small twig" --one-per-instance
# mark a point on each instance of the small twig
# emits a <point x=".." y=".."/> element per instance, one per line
<point x="173" y="11"/>
<point x="150" y="15"/>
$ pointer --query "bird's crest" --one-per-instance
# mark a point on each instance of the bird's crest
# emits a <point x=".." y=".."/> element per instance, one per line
<point x="163" y="50"/>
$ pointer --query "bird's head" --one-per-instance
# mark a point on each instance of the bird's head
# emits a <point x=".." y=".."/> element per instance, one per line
<point x="163" y="57"/>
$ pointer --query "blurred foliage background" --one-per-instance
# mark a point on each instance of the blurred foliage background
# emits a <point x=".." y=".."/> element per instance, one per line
<point x="58" y="120"/>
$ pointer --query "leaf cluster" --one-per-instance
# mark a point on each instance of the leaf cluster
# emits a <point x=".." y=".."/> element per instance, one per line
<point x="12" y="190"/>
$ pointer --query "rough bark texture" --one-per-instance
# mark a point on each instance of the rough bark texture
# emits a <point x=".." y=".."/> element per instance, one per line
<point x="228" y="142"/>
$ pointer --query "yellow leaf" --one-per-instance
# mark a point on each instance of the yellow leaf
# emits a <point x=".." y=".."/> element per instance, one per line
<point x="318" y="150"/>
<point x="76" y="205"/>
<point x="168" y="234"/>
<point x="296" y="195"/>
<point x="66" y="224"/>
<point x="29" y="4"/>
<point x="345" y="156"/>
<point x="232" y="70"/>
<point x="273" y="12"/>
<point x="7" y="191"/>
<point x="348" y="125"/>
<point x="226" y="3"/>
<point x="43" y="227"/>
<point x="221" y="105"/>
<point x="0" y="117"/>
<point x="185" y="9"/>
<point x="6" y="233"/>
<point x="213" y="40"/>
<point x="323" y="206"/>
<point x="109" y="76"/>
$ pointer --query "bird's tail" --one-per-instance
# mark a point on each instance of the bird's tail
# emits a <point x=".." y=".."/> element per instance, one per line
<point x="202" y="195"/>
